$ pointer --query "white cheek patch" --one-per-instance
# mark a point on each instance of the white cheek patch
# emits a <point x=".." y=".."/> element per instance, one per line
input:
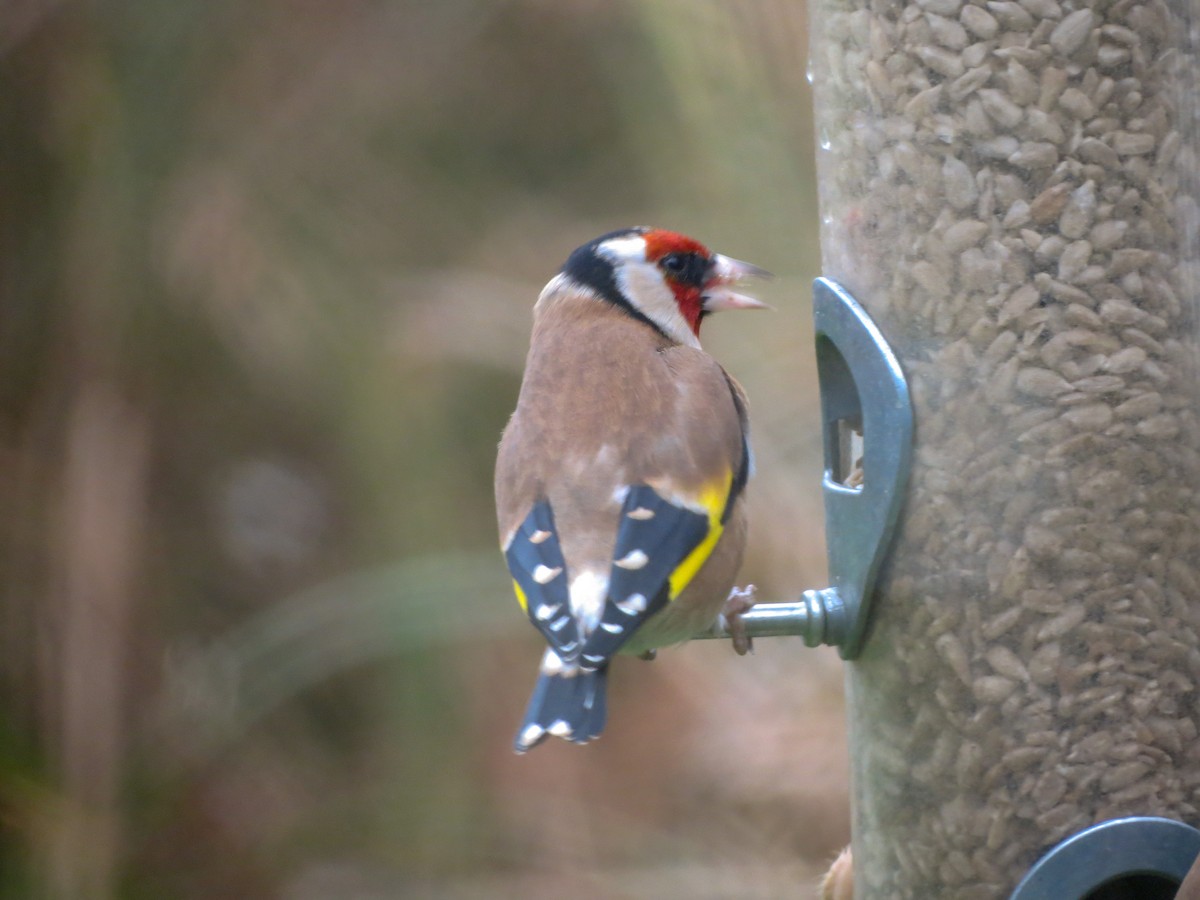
<point x="641" y="283"/>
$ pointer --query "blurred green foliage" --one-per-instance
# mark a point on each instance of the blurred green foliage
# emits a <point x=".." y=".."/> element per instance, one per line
<point x="265" y="282"/>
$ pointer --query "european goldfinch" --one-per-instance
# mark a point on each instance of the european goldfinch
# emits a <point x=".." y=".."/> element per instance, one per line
<point x="620" y="476"/>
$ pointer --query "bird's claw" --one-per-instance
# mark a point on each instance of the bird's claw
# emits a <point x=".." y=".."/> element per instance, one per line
<point x="740" y="601"/>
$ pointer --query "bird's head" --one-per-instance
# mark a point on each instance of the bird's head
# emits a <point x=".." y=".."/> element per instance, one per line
<point x="663" y="278"/>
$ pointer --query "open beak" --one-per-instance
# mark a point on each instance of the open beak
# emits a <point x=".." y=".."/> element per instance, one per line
<point x="718" y="294"/>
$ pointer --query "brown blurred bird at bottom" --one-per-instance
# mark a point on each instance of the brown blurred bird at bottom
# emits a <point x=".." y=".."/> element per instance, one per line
<point x="838" y="882"/>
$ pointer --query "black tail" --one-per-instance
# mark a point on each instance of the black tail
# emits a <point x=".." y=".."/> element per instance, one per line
<point x="567" y="705"/>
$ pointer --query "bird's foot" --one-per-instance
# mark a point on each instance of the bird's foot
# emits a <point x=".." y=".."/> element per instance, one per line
<point x="740" y="600"/>
<point x="648" y="655"/>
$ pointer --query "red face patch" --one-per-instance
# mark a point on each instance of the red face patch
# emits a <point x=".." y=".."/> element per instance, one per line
<point x="659" y="243"/>
<point x="688" y="290"/>
<point x="691" y="304"/>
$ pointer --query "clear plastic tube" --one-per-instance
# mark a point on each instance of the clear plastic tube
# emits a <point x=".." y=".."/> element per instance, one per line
<point x="1010" y="189"/>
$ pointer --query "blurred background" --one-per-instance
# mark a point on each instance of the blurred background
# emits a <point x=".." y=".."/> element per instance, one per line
<point x="266" y="273"/>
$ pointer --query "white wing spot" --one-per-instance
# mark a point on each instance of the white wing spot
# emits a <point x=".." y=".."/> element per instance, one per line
<point x="633" y="604"/>
<point x="612" y="627"/>
<point x="552" y="663"/>
<point x="530" y="735"/>
<point x="641" y="514"/>
<point x="545" y="611"/>
<point x="560" y="624"/>
<point x="561" y="728"/>
<point x="545" y="574"/>
<point x="539" y="536"/>
<point x="634" y="559"/>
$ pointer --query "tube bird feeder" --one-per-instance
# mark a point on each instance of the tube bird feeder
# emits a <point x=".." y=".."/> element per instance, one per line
<point x="1009" y="190"/>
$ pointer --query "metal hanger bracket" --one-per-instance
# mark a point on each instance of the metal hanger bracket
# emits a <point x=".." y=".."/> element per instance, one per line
<point x="867" y="422"/>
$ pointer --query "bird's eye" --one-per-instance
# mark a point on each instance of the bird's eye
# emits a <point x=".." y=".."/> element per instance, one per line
<point x="674" y="263"/>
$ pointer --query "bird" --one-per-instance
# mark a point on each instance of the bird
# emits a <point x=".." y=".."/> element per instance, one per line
<point x="838" y="882"/>
<point x="621" y="474"/>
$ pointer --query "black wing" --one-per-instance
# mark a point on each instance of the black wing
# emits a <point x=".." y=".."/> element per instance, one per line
<point x="654" y="537"/>
<point x="536" y="562"/>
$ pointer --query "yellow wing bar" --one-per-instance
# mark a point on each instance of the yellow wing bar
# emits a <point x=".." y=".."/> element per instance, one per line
<point x="713" y="499"/>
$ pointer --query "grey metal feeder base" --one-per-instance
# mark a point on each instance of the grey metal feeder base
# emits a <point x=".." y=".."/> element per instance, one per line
<point x="1139" y="857"/>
